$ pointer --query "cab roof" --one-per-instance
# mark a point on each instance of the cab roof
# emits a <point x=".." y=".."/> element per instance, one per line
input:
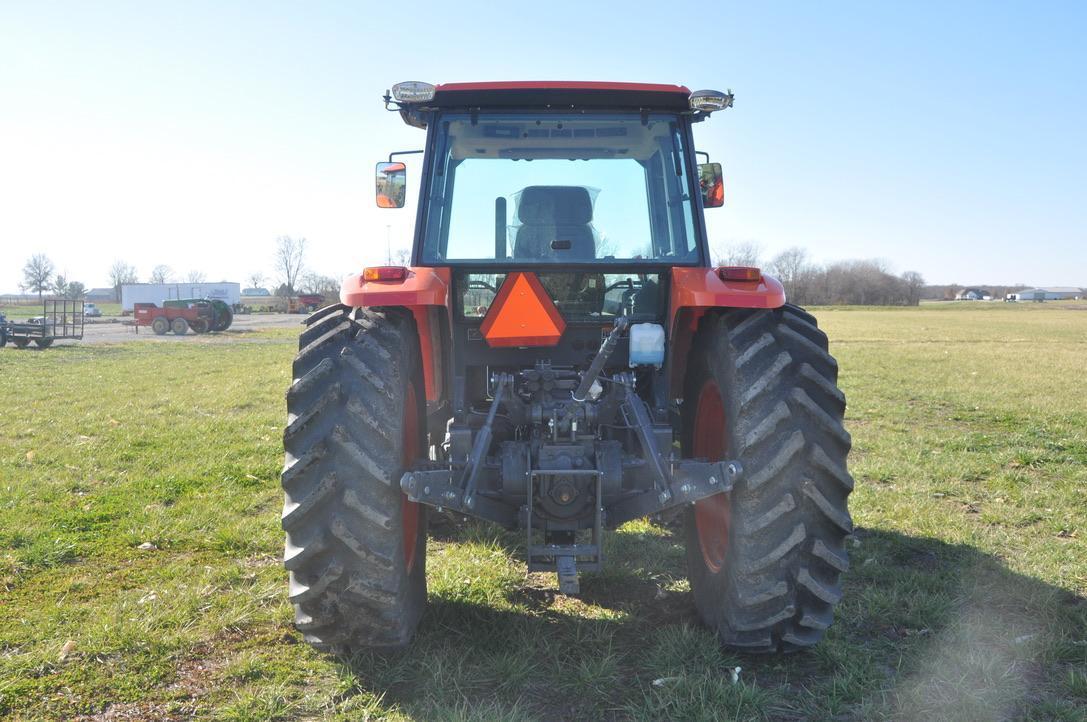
<point x="560" y="93"/>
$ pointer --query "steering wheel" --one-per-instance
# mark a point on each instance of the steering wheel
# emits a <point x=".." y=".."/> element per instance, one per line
<point x="627" y="283"/>
<point x="482" y="284"/>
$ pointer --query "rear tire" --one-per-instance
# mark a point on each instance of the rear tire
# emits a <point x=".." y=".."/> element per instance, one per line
<point x="765" y="560"/>
<point x="223" y="320"/>
<point x="21" y="342"/>
<point x="179" y="326"/>
<point x="160" y="325"/>
<point x="356" y="547"/>
<point x="43" y="342"/>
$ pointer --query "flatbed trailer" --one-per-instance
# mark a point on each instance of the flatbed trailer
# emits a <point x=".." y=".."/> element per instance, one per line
<point x="60" y="319"/>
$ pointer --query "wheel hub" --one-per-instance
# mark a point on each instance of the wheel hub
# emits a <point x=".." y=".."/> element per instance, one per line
<point x="713" y="514"/>
<point x="410" y="509"/>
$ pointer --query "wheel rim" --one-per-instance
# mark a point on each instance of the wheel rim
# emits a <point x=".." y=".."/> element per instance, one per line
<point x="712" y="515"/>
<point x="410" y="509"/>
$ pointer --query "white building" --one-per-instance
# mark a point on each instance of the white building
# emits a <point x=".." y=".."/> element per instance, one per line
<point x="1051" y="293"/>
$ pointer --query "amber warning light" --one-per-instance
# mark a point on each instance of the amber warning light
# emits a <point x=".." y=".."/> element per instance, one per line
<point x="739" y="273"/>
<point x="384" y="273"/>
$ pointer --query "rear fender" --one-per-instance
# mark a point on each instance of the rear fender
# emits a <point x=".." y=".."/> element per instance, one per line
<point x="425" y="292"/>
<point x="694" y="292"/>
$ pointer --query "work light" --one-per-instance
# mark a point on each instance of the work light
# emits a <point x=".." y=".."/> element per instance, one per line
<point x="413" y="91"/>
<point x="709" y="100"/>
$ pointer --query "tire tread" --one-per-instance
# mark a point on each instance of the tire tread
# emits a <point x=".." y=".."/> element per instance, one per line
<point x="342" y="511"/>
<point x="790" y="517"/>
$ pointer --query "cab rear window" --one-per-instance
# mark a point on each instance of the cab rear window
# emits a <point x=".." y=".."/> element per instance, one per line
<point x="550" y="188"/>
<point x="579" y="296"/>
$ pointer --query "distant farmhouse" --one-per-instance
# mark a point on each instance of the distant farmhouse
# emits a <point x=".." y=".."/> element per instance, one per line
<point x="974" y="294"/>
<point x="1050" y="293"/>
<point x="101" y="295"/>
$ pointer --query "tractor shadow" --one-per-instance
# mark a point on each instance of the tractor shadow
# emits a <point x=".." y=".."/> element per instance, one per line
<point x="926" y="628"/>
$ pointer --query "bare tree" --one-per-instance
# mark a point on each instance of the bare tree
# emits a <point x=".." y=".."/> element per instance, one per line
<point x="120" y="274"/>
<point x="788" y="265"/>
<point x="323" y="285"/>
<point x="402" y="256"/>
<point x="308" y="283"/>
<point x="256" y="279"/>
<point x="915" y="284"/>
<point x="739" y="254"/>
<point x="38" y="274"/>
<point x="161" y="274"/>
<point x="195" y="277"/>
<point x="289" y="259"/>
<point x="796" y="273"/>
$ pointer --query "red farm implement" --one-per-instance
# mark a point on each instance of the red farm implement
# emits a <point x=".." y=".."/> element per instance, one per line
<point x="180" y="316"/>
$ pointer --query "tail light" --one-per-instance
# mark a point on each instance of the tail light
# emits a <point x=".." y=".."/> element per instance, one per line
<point x="385" y="273"/>
<point x="739" y="273"/>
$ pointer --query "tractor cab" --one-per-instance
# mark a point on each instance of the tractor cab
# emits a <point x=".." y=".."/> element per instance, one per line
<point x="572" y="173"/>
<point x="558" y="217"/>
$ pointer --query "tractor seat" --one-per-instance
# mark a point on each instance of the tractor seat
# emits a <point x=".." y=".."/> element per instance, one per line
<point x="556" y="224"/>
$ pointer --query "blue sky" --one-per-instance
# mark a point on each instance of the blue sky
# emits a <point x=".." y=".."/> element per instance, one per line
<point x="947" y="138"/>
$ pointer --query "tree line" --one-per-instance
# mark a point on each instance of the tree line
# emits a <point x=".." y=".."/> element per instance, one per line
<point x="41" y="277"/>
<point x="865" y="282"/>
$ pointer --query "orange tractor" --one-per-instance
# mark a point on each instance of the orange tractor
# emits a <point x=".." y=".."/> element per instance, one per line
<point x="560" y="358"/>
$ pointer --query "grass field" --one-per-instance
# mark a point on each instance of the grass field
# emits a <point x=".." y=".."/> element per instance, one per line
<point x="27" y="310"/>
<point x="967" y="596"/>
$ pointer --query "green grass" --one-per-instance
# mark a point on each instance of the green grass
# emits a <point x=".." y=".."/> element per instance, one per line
<point x="966" y="597"/>
<point x="16" y="311"/>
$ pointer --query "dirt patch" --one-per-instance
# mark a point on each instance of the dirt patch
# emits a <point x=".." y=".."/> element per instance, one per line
<point x="161" y="712"/>
<point x="195" y="679"/>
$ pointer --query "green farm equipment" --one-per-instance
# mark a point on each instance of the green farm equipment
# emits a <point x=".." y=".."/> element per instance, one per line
<point x="219" y="316"/>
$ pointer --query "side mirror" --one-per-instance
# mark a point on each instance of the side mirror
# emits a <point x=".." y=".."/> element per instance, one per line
<point x="712" y="184"/>
<point x="392" y="184"/>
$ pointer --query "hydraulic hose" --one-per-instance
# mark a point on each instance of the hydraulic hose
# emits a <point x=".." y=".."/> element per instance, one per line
<point x="606" y="348"/>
